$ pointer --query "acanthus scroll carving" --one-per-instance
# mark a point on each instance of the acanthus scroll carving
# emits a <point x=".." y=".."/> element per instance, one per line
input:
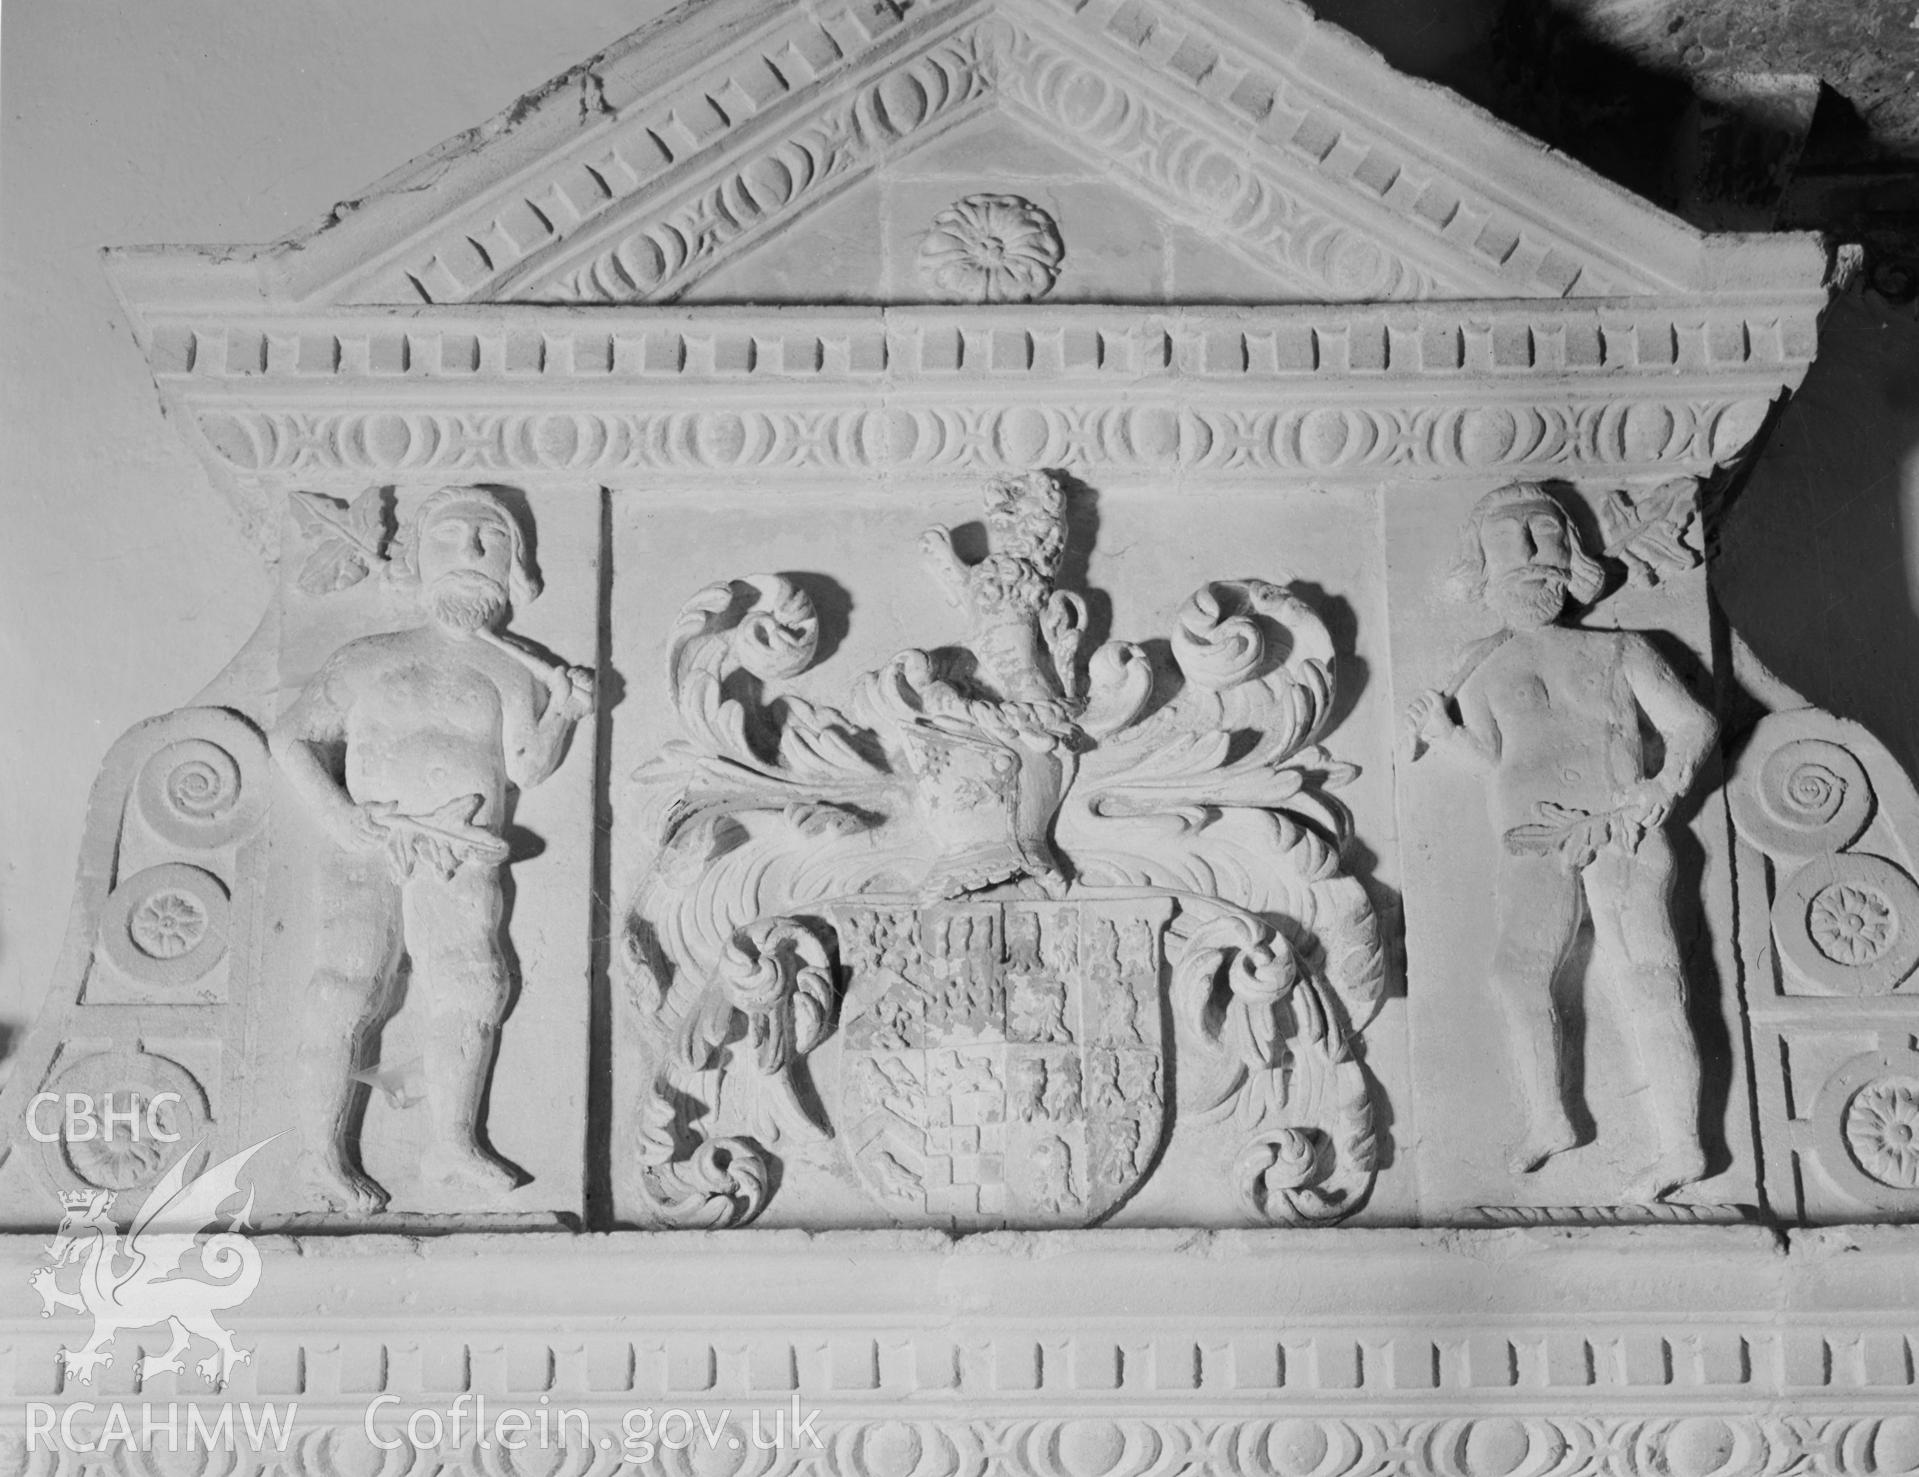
<point x="1008" y="849"/>
<point x="1653" y="533"/>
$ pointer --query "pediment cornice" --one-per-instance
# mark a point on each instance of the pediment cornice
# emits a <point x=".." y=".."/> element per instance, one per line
<point x="1471" y="303"/>
<point x="630" y="177"/>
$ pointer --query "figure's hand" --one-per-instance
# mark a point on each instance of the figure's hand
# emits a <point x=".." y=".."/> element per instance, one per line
<point x="363" y="828"/>
<point x="575" y="691"/>
<point x="936" y="543"/>
<point x="1430" y="718"/>
<point x="1648" y="803"/>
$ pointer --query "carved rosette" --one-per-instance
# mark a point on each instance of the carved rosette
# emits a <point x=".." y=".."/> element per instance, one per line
<point x="1882" y="1131"/>
<point x="949" y="942"/>
<point x="991" y="249"/>
<point x="200" y="790"/>
<point x="158" y="1111"/>
<point x="1832" y="814"/>
<point x="1846" y="921"/>
<point x="1865" y="1127"/>
<point x="166" y="926"/>
<point x="141" y="1010"/>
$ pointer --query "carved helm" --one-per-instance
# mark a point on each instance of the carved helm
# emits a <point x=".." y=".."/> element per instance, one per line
<point x="1587" y="576"/>
<point x="523" y="584"/>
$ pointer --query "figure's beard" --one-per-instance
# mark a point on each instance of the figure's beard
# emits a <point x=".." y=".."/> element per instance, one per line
<point x="466" y="600"/>
<point x="1533" y="596"/>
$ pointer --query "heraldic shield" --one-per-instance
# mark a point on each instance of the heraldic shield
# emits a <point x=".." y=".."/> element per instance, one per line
<point x="1047" y="875"/>
<point x="1005" y="1061"/>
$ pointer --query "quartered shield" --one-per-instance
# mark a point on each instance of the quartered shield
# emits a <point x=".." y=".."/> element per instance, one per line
<point x="1005" y="1061"/>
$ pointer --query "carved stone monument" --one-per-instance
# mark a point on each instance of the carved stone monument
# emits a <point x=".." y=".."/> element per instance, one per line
<point x="933" y="916"/>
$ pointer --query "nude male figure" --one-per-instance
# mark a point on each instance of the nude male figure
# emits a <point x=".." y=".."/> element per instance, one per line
<point x="402" y="747"/>
<point x="1553" y="714"/>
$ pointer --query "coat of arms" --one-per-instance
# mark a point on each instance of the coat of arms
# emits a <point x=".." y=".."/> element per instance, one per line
<point x="1011" y="932"/>
<point x="1003" y="1061"/>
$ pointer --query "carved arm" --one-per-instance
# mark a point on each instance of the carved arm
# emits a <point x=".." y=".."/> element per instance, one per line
<point x="936" y="551"/>
<point x="1687" y="726"/>
<point x="1476" y="739"/>
<point x="570" y="696"/>
<point x="316" y="718"/>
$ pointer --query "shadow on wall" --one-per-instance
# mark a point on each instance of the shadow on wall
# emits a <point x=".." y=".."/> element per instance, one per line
<point x="1818" y="564"/>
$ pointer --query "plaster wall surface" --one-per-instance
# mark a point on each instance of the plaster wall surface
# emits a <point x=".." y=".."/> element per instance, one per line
<point x="129" y="585"/>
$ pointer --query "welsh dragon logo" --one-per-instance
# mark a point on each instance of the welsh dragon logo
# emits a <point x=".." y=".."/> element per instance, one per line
<point x="149" y="1277"/>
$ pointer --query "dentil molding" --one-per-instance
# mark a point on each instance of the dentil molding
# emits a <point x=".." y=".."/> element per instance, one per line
<point x="1067" y="1354"/>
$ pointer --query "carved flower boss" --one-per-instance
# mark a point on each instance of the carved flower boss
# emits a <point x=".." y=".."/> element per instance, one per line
<point x="992" y="249"/>
<point x="1882" y="1130"/>
<point x="1852" y="924"/>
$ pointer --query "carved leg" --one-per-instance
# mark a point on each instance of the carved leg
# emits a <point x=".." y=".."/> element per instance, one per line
<point x="1632" y="916"/>
<point x="359" y="942"/>
<point x="1538" y="916"/>
<point x="453" y="932"/>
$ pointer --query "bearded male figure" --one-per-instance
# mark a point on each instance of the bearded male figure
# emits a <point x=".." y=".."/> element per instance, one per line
<point x="1554" y="713"/>
<point x="429" y="726"/>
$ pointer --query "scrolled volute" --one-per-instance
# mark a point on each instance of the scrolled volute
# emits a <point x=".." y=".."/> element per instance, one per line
<point x="777" y="973"/>
<point x="1228" y="984"/>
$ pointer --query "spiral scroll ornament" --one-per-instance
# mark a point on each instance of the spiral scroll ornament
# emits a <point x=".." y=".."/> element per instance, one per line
<point x="1808" y="797"/>
<point x="197" y="794"/>
<point x="779" y="636"/>
<point x="1274" y="1165"/>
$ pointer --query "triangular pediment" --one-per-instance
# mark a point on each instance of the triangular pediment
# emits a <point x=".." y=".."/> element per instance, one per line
<point x="1186" y="151"/>
<point x="1230" y="241"/>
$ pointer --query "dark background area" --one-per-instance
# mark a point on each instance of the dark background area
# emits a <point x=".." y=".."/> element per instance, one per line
<point x="1755" y="115"/>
